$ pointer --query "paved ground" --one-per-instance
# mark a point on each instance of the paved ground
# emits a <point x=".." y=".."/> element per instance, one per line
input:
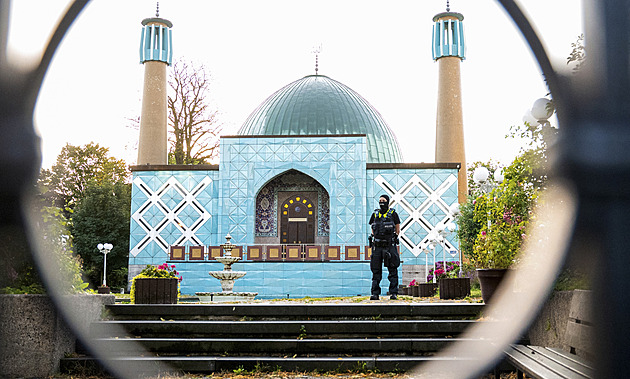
<point x="355" y="299"/>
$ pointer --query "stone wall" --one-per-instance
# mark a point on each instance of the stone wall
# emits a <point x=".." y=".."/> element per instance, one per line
<point x="33" y="335"/>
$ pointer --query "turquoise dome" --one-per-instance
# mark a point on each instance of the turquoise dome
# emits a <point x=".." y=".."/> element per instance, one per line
<point x="318" y="105"/>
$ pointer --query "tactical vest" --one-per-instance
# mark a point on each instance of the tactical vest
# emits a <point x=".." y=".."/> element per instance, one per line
<point x="383" y="227"/>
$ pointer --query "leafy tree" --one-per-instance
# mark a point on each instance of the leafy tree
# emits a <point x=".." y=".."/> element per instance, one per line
<point x="75" y="169"/>
<point x="500" y="217"/>
<point x="52" y="229"/>
<point x="578" y="53"/>
<point x="102" y="216"/>
<point x="193" y="138"/>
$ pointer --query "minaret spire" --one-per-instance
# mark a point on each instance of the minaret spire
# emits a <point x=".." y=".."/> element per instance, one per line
<point x="157" y="9"/>
<point x="317" y="50"/>
<point x="448" y="7"/>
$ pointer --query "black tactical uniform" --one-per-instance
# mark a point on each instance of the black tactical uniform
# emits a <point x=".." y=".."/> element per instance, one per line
<point x="384" y="251"/>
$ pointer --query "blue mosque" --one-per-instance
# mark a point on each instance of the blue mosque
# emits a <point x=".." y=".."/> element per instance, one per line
<point x="295" y="187"/>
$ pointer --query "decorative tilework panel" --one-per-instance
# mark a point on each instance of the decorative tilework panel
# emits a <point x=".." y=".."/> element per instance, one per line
<point x="336" y="163"/>
<point x="279" y="279"/>
<point x="422" y="198"/>
<point x="171" y="208"/>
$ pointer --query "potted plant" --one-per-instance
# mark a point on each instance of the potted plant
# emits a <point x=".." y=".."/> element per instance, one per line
<point x="156" y="285"/>
<point x="492" y="227"/>
<point x="448" y="281"/>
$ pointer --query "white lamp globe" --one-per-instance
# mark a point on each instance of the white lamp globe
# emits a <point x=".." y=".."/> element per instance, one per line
<point x="498" y="176"/>
<point x="480" y="175"/>
<point x="108" y="246"/>
<point x="454" y="209"/>
<point x="450" y="226"/>
<point x="439" y="227"/>
<point x="99" y="246"/>
<point x="542" y="109"/>
<point x="529" y="119"/>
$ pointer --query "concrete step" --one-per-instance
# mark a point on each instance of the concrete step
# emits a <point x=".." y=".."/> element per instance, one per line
<point x="137" y="366"/>
<point x="276" y="346"/>
<point x="286" y="328"/>
<point x="385" y="336"/>
<point x="283" y="311"/>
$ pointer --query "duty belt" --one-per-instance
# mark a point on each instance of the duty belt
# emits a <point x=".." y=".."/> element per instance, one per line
<point x="382" y="243"/>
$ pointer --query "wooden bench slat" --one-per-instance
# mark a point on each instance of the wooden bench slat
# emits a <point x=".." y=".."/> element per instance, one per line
<point x="539" y="365"/>
<point x="565" y="359"/>
<point x="572" y="360"/>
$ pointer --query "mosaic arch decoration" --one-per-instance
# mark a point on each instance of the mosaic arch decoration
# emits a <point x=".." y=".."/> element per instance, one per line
<point x="431" y="204"/>
<point x="171" y="215"/>
<point x="266" y="222"/>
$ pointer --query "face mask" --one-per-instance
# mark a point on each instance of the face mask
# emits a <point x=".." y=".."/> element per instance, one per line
<point x="384" y="206"/>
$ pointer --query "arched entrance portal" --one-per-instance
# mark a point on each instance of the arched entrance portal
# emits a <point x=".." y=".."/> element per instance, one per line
<point x="297" y="220"/>
<point x="271" y="222"/>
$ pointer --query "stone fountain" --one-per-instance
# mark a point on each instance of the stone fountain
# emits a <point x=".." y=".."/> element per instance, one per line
<point x="227" y="278"/>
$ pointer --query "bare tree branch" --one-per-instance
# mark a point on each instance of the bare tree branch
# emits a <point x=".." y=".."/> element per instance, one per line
<point x="194" y="127"/>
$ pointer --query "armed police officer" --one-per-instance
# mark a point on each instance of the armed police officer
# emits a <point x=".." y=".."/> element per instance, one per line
<point x="385" y="225"/>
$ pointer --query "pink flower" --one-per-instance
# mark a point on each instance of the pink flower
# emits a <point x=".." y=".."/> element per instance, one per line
<point x="483" y="233"/>
<point x="412" y="283"/>
<point x="172" y="266"/>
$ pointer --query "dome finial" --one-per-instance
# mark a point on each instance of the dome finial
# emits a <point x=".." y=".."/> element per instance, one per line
<point x="317" y="50"/>
<point x="448" y="6"/>
<point x="157" y="9"/>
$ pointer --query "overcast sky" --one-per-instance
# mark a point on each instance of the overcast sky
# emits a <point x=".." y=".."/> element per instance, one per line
<point x="380" y="49"/>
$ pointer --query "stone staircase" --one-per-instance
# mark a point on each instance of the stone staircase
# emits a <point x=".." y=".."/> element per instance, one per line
<point x="205" y="338"/>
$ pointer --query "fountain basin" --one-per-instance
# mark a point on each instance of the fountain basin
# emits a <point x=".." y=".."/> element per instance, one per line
<point x="227" y="275"/>
<point x="228" y="260"/>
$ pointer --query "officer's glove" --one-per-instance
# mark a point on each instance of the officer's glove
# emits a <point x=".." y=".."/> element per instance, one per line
<point x="396" y="240"/>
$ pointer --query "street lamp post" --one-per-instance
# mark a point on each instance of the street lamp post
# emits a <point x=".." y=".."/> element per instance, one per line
<point x="438" y="238"/>
<point x="104" y="248"/>
<point x="539" y="114"/>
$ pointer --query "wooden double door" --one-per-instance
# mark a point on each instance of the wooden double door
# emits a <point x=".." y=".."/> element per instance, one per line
<point x="297" y="220"/>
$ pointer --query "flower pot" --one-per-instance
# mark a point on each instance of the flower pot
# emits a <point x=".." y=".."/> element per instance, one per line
<point x="454" y="288"/>
<point x="427" y="289"/>
<point x="490" y="279"/>
<point x="415" y="290"/>
<point x="156" y="291"/>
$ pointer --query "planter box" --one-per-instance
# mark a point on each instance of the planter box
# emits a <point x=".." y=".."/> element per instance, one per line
<point x="413" y="291"/>
<point x="156" y="291"/>
<point x="454" y="288"/>
<point x="427" y="289"/>
<point x="103" y="290"/>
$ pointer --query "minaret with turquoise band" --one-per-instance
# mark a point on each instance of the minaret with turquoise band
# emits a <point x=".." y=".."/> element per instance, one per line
<point x="156" y="53"/>
<point x="449" y="50"/>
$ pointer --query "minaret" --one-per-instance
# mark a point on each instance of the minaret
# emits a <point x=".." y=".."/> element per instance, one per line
<point x="155" y="53"/>
<point x="449" y="51"/>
